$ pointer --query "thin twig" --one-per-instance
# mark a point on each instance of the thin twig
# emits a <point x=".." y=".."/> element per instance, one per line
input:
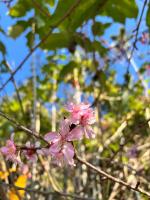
<point x="16" y="88"/>
<point x="38" y="5"/>
<point x="141" y="78"/>
<point x="23" y="128"/>
<point x="137" y="32"/>
<point x="34" y="80"/>
<point x="110" y="161"/>
<point x="3" y="193"/>
<point x="45" y="193"/>
<point x="112" y="178"/>
<point x="6" y="1"/>
<point x="41" y="42"/>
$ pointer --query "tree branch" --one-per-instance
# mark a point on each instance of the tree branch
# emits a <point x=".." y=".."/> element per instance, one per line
<point x="112" y="178"/>
<point x="90" y="166"/>
<point x="16" y="88"/>
<point x="41" y="42"/>
<point x="137" y="31"/>
<point x="45" y="193"/>
<point x="38" y="5"/>
<point x="23" y="128"/>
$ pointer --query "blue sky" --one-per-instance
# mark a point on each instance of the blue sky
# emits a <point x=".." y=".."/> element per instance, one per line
<point x="17" y="49"/>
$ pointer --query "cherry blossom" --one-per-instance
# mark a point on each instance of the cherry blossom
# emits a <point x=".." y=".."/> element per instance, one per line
<point x="9" y="151"/>
<point x="60" y="146"/>
<point x="83" y="116"/>
<point x="31" y="151"/>
<point x="76" y="110"/>
<point x="64" y="156"/>
<point x="86" y="120"/>
<point x="61" y="149"/>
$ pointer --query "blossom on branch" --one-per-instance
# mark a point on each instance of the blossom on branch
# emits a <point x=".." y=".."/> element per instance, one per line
<point x="31" y="151"/>
<point x="9" y="151"/>
<point x="61" y="149"/>
<point x="83" y="116"/>
<point x="60" y="144"/>
<point x="76" y="111"/>
<point x="79" y="124"/>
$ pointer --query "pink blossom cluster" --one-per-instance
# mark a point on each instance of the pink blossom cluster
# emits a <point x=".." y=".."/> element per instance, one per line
<point x="75" y="127"/>
<point x="9" y="150"/>
<point x="60" y="147"/>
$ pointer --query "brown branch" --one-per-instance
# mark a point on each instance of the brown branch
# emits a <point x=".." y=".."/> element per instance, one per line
<point x="16" y="88"/>
<point x="120" y="165"/>
<point x="23" y="128"/>
<point x="108" y="160"/>
<point x="3" y="195"/>
<point x="25" y="59"/>
<point x="11" y="178"/>
<point x="41" y="42"/>
<point x="112" y="178"/>
<point x="38" y="5"/>
<point x="137" y="31"/>
<point x="29" y="190"/>
<point x="90" y="166"/>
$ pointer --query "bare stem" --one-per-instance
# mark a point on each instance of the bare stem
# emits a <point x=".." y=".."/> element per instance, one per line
<point x="112" y="178"/>
<point x="137" y="31"/>
<point x="23" y="128"/>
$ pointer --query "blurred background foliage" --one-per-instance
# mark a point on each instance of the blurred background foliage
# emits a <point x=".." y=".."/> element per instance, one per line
<point x="83" y="59"/>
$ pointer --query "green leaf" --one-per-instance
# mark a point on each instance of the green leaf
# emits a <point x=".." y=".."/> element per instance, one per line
<point x="57" y="40"/>
<point x="99" y="48"/>
<point x="148" y="17"/>
<point x="2" y="31"/>
<point x="86" y="10"/>
<point x="3" y="67"/>
<point x="99" y="28"/>
<point x="50" y="2"/>
<point x="120" y="10"/>
<point x="88" y="45"/>
<point x="20" y="8"/>
<point x="67" y="69"/>
<point x="30" y="39"/>
<point x="17" y="29"/>
<point x="2" y="48"/>
<point x="81" y="13"/>
<point x="60" y="11"/>
<point x="40" y="21"/>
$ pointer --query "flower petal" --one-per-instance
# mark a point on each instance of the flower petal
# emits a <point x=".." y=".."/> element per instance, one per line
<point x="75" y="134"/>
<point x="58" y="159"/>
<point x="68" y="151"/>
<point x="65" y="127"/>
<point x="55" y="148"/>
<point x="89" y="133"/>
<point x="4" y="150"/>
<point x="52" y="137"/>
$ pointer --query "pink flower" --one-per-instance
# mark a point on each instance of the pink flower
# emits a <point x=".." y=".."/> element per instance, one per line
<point x="79" y="124"/>
<point x="31" y="151"/>
<point x="9" y="151"/>
<point x="80" y="130"/>
<point x="83" y="116"/>
<point x="76" y="110"/>
<point x="65" y="155"/>
<point x="61" y="149"/>
<point x="86" y="120"/>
